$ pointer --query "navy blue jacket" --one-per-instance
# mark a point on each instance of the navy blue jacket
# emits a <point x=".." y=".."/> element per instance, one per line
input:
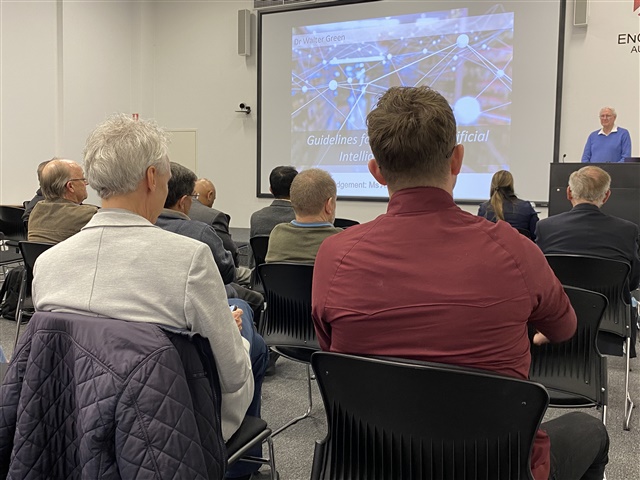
<point x="91" y="397"/>
<point x="518" y="213"/>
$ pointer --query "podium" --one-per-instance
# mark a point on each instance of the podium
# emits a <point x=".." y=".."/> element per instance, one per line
<point x="624" y="201"/>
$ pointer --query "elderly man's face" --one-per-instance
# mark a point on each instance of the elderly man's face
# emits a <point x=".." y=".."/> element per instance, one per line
<point x="77" y="186"/>
<point x="607" y="118"/>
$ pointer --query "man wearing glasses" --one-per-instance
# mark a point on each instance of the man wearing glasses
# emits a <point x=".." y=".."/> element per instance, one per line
<point x="610" y="144"/>
<point x="61" y="214"/>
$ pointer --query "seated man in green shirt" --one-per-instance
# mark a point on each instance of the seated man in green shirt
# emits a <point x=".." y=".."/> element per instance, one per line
<point x="313" y="197"/>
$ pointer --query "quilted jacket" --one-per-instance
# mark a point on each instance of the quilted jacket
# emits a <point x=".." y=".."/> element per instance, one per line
<point x="89" y="397"/>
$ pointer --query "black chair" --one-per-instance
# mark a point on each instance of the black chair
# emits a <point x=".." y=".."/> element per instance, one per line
<point x="30" y="252"/>
<point x="287" y="327"/>
<point x="344" y="223"/>
<point x="574" y="372"/>
<point x="11" y="224"/>
<point x="610" y="278"/>
<point x="524" y="232"/>
<point x="413" y="420"/>
<point x="259" y="246"/>
<point x="253" y="431"/>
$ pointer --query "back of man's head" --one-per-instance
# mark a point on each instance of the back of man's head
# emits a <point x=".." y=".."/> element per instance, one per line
<point x="206" y="191"/>
<point x="119" y="152"/>
<point x="412" y="133"/>
<point x="55" y="176"/>
<point x="41" y="167"/>
<point x="310" y="190"/>
<point x="181" y="183"/>
<point x="589" y="185"/>
<point x="280" y="181"/>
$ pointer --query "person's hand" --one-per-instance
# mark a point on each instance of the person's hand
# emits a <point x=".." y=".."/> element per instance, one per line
<point x="237" y="316"/>
<point x="540" y="339"/>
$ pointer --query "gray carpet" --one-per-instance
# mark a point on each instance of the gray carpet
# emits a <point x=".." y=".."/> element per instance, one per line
<point x="284" y="396"/>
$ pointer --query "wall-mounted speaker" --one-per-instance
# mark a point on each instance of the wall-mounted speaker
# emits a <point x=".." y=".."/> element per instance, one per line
<point x="580" y="13"/>
<point x="244" y="32"/>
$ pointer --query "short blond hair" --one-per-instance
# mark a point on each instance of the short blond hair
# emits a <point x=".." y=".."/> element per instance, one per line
<point x="590" y="184"/>
<point x="310" y="190"/>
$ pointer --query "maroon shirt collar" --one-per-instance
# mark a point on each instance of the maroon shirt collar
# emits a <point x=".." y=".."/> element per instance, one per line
<point x="419" y="199"/>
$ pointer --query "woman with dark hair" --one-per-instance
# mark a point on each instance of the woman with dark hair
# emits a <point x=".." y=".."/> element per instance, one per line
<point x="505" y="205"/>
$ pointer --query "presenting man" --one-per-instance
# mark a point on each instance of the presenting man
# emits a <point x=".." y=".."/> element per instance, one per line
<point x="610" y="144"/>
<point x="60" y="215"/>
<point x="313" y="196"/>
<point x="428" y="281"/>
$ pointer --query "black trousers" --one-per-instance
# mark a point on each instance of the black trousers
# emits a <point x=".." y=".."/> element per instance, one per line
<point x="579" y="447"/>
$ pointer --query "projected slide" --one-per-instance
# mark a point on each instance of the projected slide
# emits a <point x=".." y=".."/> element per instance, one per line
<point x="340" y="69"/>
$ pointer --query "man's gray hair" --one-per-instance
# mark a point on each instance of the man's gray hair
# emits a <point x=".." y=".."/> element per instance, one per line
<point x="119" y="152"/>
<point x="54" y="178"/>
<point x="590" y="184"/>
<point x="310" y="190"/>
<point x="611" y="109"/>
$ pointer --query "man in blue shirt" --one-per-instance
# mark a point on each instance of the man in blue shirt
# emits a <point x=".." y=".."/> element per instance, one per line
<point x="610" y="144"/>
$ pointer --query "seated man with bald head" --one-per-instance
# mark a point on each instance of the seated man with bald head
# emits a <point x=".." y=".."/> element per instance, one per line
<point x="313" y="196"/>
<point x="61" y="213"/>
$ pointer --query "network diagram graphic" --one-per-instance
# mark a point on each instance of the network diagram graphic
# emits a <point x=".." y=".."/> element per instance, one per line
<point x="339" y="71"/>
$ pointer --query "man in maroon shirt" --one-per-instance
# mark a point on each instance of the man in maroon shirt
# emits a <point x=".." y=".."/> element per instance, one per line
<point x="431" y="282"/>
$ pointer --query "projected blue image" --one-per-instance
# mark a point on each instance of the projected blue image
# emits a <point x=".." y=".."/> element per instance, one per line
<point x="340" y="69"/>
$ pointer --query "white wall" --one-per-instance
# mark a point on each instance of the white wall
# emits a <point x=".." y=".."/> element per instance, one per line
<point x="598" y="72"/>
<point x="66" y="65"/>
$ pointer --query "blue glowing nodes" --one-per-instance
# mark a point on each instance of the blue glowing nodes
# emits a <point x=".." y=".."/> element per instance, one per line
<point x="466" y="110"/>
<point x="462" y="41"/>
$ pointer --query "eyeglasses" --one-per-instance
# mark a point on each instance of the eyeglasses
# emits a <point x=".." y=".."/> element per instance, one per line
<point x="83" y="180"/>
<point x="194" y="196"/>
<point x="606" y="116"/>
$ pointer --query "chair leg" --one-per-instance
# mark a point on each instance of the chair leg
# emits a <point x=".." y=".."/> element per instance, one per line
<point x="306" y="414"/>
<point x="20" y="308"/>
<point x="628" y="403"/>
<point x="604" y="415"/>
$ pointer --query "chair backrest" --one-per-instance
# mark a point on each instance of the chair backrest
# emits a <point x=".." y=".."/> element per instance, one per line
<point x="524" y="232"/>
<point x="259" y="246"/>
<point x="576" y="366"/>
<point x="287" y="319"/>
<point x="30" y="252"/>
<point x="390" y="419"/>
<point x="11" y="223"/>
<point x="601" y="275"/>
<point x="344" y="223"/>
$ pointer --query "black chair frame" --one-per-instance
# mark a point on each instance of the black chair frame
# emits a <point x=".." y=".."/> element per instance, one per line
<point x="610" y="278"/>
<point x="252" y="431"/>
<point x="574" y="372"/>
<point x="287" y="327"/>
<point x="414" y="420"/>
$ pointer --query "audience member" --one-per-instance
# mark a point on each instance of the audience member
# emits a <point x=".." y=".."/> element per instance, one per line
<point x="61" y="213"/>
<point x="610" y="144"/>
<point x="203" y="211"/>
<point x="313" y="196"/>
<point x="175" y="218"/>
<point x="392" y="286"/>
<point x="124" y="267"/>
<point x="586" y="230"/>
<point x="38" y="196"/>
<point x="505" y="205"/>
<point x="280" y="210"/>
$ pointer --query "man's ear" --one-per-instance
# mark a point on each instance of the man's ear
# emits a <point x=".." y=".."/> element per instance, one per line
<point x="375" y="171"/>
<point x="606" y="197"/>
<point x="456" y="159"/>
<point x="182" y="202"/>
<point x="150" y="177"/>
<point x="569" y="194"/>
